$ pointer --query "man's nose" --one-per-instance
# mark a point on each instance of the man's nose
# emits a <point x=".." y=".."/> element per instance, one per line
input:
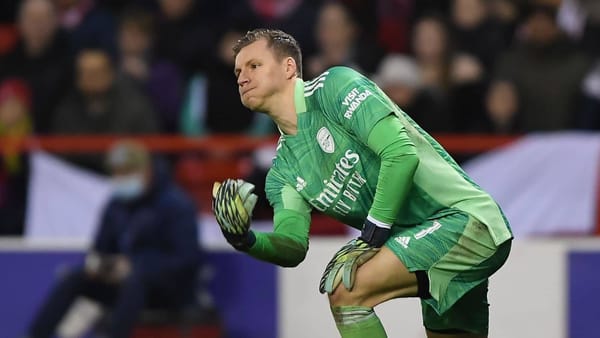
<point x="242" y="80"/>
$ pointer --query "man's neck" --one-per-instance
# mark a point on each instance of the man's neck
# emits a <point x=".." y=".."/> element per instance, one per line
<point x="283" y="111"/>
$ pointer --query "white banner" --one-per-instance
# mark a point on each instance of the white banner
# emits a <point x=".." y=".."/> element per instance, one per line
<point x="545" y="183"/>
<point x="64" y="203"/>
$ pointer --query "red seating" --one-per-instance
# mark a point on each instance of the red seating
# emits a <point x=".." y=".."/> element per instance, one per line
<point x="198" y="173"/>
<point x="196" y="331"/>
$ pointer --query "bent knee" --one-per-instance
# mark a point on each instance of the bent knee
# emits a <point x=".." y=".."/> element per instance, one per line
<point x="342" y="297"/>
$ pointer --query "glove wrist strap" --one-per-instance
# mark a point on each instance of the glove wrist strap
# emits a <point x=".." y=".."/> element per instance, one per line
<point x="241" y="242"/>
<point x="373" y="234"/>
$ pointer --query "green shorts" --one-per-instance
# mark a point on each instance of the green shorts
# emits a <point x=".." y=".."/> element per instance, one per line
<point x="458" y="254"/>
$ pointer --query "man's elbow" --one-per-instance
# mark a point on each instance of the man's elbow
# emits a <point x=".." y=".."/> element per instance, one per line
<point x="295" y="260"/>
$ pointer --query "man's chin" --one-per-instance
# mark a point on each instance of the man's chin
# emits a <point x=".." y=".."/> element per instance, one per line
<point x="250" y="105"/>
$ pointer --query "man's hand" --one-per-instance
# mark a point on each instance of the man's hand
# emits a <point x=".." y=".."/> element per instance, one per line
<point x="342" y="267"/>
<point x="121" y="269"/>
<point x="233" y="203"/>
<point x="107" y="268"/>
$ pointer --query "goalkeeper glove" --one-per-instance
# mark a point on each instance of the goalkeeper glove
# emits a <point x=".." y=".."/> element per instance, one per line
<point x="343" y="265"/>
<point x="233" y="203"/>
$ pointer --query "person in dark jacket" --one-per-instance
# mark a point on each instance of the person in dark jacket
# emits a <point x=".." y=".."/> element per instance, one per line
<point x="102" y="104"/>
<point x="42" y="59"/>
<point x="145" y="253"/>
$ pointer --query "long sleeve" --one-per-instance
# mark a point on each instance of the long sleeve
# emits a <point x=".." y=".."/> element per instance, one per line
<point x="399" y="161"/>
<point x="287" y="244"/>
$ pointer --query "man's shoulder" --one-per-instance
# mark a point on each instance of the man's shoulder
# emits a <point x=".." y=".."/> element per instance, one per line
<point x="329" y="84"/>
<point x="338" y="71"/>
<point x="333" y="74"/>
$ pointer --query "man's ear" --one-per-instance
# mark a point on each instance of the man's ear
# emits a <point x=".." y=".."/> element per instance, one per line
<point x="291" y="68"/>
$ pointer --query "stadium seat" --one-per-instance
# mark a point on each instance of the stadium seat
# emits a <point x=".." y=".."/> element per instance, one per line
<point x="197" y="173"/>
<point x="194" y="322"/>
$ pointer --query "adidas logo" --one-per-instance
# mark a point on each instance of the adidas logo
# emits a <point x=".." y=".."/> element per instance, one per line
<point x="403" y="241"/>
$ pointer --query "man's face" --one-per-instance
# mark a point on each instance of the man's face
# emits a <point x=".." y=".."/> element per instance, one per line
<point x="174" y="9"/>
<point x="133" y="40"/>
<point x="334" y="28"/>
<point x="12" y="111"/>
<point x="129" y="183"/>
<point x="259" y="75"/>
<point x="37" y="23"/>
<point x="542" y="29"/>
<point x="94" y="72"/>
<point x="468" y="13"/>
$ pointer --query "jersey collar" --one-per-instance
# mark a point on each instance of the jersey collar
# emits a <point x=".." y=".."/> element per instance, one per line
<point x="299" y="101"/>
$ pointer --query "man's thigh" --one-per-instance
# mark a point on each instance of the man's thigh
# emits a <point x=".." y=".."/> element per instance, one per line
<point x="382" y="278"/>
<point x="456" y="254"/>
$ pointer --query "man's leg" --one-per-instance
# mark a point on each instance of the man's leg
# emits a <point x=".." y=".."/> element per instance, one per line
<point x="57" y="304"/>
<point x="353" y="311"/>
<point x="382" y="278"/>
<point x="455" y="253"/>
<point x="129" y="303"/>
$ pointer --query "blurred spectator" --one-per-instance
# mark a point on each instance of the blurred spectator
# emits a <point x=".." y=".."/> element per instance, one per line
<point x="101" y="105"/>
<point x="340" y="43"/>
<point x="456" y="80"/>
<point x="505" y="11"/>
<point x="475" y="33"/>
<point x="15" y="103"/>
<point x="400" y="78"/>
<point x="467" y="91"/>
<point x="547" y="71"/>
<point x="41" y="58"/>
<point x="432" y="50"/>
<point x="159" y="79"/>
<point x="88" y="25"/>
<point x="213" y="101"/>
<point x="296" y="17"/>
<point x="506" y="14"/>
<point x="502" y="109"/>
<point x="185" y="36"/>
<point x="145" y="253"/>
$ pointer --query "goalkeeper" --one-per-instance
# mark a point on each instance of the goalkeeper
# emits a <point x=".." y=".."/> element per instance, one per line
<point x="346" y="150"/>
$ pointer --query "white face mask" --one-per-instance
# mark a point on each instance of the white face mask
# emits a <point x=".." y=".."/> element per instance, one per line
<point x="128" y="187"/>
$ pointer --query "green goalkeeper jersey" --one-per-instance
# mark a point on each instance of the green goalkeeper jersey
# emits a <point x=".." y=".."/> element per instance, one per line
<point x="329" y="165"/>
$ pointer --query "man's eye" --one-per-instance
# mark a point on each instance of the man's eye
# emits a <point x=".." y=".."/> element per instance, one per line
<point x="254" y="66"/>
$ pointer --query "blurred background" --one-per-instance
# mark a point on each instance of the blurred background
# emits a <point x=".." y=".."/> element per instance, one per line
<point x="117" y="116"/>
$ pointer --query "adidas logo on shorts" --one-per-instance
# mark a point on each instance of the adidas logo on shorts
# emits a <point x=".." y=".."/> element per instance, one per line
<point x="403" y="241"/>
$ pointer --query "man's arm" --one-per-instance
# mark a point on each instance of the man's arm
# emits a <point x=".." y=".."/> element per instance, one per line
<point x="373" y="122"/>
<point x="105" y="240"/>
<point x="287" y="244"/>
<point x="399" y="161"/>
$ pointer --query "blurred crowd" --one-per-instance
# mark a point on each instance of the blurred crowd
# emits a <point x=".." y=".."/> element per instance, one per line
<point x="165" y="66"/>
